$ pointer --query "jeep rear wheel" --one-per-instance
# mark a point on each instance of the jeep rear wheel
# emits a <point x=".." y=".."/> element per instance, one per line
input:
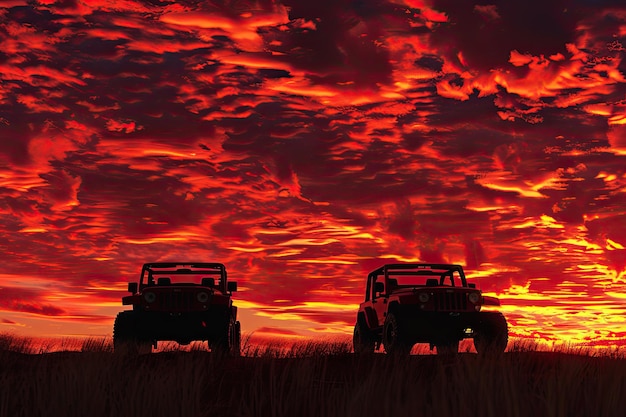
<point x="492" y="334"/>
<point x="362" y="339"/>
<point x="394" y="337"/>
<point x="126" y="339"/>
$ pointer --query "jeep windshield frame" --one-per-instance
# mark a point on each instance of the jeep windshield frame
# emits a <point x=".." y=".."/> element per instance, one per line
<point x="189" y="272"/>
<point x="446" y="274"/>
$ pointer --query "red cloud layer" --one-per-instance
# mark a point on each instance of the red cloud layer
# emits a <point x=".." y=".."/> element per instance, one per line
<point x="304" y="144"/>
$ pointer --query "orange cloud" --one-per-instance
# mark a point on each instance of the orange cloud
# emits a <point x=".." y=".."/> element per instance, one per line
<point x="304" y="144"/>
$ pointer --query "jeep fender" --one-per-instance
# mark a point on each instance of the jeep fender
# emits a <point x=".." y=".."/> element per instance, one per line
<point x="130" y="299"/>
<point x="490" y="301"/>
<point x="360" y="317"/>
<point x="394" y="306"/>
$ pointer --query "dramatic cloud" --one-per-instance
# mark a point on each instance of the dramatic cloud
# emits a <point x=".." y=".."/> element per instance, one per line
<point x="304" y="144"/>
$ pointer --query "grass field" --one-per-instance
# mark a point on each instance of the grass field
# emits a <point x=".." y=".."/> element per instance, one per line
<point x="307" y="379"/>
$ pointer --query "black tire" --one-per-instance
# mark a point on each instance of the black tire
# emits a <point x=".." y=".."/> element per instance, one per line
<point x="235" y="347"/>
<point x="126" y="339"/>
<point x="447" y="348"/>
<point x="229" y="342"/>
<point x="492" y="334"/>
<point x="394" y="337"/>
<point x="219" y="345"/>
<point x="362" y="339"/>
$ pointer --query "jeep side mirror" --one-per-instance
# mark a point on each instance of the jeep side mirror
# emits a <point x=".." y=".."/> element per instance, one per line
<point x="471" y="285"/>
<point x="379" y="287"/>
<point x="132" y="287"/>
<point x="231" y="286"/>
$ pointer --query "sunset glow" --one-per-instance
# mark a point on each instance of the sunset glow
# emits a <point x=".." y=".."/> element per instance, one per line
<point x="304" y="144"/>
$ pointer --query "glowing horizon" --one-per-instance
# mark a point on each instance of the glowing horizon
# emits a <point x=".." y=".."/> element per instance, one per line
<point x="305" y="144"/>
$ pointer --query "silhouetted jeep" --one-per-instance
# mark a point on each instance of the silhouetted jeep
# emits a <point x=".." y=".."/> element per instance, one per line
<point x="407" y="304"/>
<point x="181" y="302"/>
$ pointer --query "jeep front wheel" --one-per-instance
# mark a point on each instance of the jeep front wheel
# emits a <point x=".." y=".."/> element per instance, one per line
<point x="235" y="347"/>
<point x="492" y="334"/>
<point x="394" y="337"/>
<point x="125" y="337"/>
<point x="229" y="342"/>
<point x="362" y="339"/>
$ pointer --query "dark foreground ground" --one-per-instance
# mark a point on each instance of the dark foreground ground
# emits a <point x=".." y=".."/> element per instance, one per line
<point x="197" y="383"/>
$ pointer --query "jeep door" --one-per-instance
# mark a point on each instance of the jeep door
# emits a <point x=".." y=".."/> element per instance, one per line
<point x="368" y="305"/>
<point x="379" y="301"/>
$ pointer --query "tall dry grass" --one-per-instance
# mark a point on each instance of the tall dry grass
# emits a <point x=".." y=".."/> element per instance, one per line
<point x="308" y="379"/>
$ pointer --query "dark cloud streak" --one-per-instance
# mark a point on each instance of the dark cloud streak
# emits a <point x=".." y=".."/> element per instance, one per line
<point x="305" y="143"/>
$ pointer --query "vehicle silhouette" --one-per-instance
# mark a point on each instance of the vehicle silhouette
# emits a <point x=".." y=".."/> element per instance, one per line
<point x="181" y="302"/>
<point x="407" y="304"/>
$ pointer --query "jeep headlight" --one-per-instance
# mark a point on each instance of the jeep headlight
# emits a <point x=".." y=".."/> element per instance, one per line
<point x="474" y="297"/>
<point x="202" y="297"/>
<point x="150" y="297"/>
<point x="424" y="297"/>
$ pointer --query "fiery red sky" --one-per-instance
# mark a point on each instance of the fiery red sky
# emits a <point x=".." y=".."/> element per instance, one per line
<point x="304" y="143"/>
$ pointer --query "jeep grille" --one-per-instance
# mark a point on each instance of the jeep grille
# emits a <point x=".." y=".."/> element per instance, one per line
<point x="450" y="301"/>
<point x="176" y="300"/>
